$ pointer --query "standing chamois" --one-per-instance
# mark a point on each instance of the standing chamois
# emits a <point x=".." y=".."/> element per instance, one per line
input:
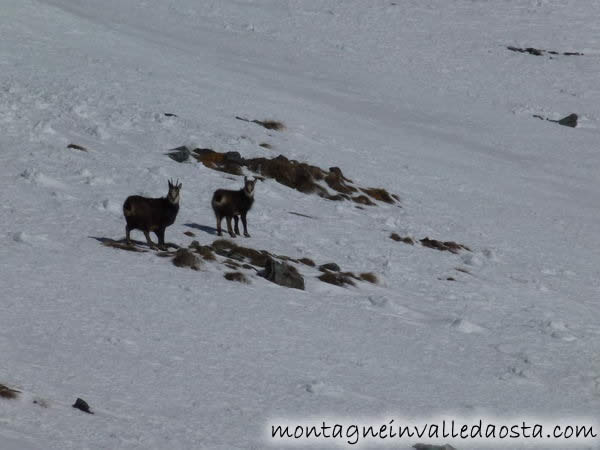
<point x="152" y="214"/>
<point x="230" y="204"/>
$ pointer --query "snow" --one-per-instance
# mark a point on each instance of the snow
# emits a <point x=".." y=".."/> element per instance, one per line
<point x="420" y="97"/>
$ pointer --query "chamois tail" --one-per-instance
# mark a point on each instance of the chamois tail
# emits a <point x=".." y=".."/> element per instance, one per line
<point x="218" y="199"/>
<point x="128" y="209"/>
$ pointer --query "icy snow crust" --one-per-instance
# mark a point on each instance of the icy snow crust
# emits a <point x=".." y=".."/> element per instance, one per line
<point x="421" y="98"/>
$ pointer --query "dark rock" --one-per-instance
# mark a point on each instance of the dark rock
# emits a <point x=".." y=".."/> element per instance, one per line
<point x="569" y="121"/>
<point x="77" y="147"/>
<point x="534" y="51"/>
<point x="540" y="52"/>
<point x="82" y="405"/>
<point x="234" y="157"/>
<point x="332" y="267"/>
<point x="179" y="154"/>
<point x="170" y="115"/>
<point x="282" y="274"/>
<point x="530" y="50"/>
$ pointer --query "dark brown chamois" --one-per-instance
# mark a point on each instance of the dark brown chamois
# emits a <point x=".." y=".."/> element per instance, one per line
<point x="152" y="214"/>
<point x="234" y="204"/>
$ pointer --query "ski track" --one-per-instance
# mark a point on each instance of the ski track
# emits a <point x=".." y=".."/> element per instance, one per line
<point x="420" y="98"/>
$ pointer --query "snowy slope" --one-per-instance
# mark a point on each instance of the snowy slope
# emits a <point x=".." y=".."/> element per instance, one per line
<point x="421" y="98"/>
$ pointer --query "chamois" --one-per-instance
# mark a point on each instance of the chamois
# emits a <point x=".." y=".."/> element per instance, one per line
<point x="152" y="214"/>
<point x="234" y="204"/>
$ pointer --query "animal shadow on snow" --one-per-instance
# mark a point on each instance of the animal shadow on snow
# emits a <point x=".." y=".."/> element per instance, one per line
<point x="205" y="228"/>
<point x="135" y="246"/>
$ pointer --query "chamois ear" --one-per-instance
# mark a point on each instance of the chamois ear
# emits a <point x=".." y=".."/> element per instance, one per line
<point x="245" y="178"/>
<point x="170" y="184"/>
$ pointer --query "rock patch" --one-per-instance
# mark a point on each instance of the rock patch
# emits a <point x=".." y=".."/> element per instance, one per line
<point x="568" y="121"/>
<point x="282" y="274"/>
<point x="300" y="176"/>
<point x="540" y="52"/>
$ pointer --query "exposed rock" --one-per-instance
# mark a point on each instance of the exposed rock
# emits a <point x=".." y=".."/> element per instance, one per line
<point x="282" y="274"/>
<point x="449" y="246"/>
<point x="363" y="200"/>
<point x="185" y="258"/>
<point x="368" y="276"/>
<point x="236" y="276"/>
<point x="8" y="393"/>
<point x="530" y="50"/>
<point x="297" y="175"/>
<point x="307" y="262"/>
<point x="203" y="250"/>
<point x="230" y="162"/>
<point x="77" y="147"/>
<point x="406" y="240"/>
<point x="228" y="249"/>
<point x="337" y="278"/>
<point x="540" y="52"/>
<point x="332" y="267"/>
<point x="379" y="194"/>
<point x="569" y="121"/>
<point x="82" y="405"/>
<point x="232" y="264"/>
<point x="268" y="124"/>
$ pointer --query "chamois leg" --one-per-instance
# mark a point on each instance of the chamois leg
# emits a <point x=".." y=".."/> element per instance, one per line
<point x="128" y="235"/>
<point x="219" y="218"/>
<point x="236" y="219"/>
<point x="148" y="240"/>
<point x="245" y="225"/>
<point x="160" y="234"/>
<point x="229" y="230"/>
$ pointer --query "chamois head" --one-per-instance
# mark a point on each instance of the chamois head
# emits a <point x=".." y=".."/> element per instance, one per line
<point x="249" y="186"/>
<point x="173" y="195"/>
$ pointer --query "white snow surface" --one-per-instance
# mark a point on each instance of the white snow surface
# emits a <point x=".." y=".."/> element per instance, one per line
<point x="419" y="97"/>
